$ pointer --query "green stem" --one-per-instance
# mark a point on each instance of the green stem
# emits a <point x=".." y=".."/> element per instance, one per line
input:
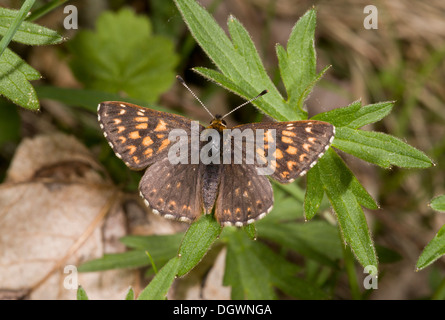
<point x="21" y="15"/>
<point x="152" y="262"/>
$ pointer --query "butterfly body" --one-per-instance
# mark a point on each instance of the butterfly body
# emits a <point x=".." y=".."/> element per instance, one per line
<point x="237" y="192"/>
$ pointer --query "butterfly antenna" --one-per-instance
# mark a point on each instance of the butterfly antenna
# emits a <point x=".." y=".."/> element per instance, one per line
<point x="193" y="94"/>
<point x="247" y="102"/>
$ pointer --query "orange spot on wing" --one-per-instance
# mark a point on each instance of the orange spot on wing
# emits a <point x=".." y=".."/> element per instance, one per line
<point x="161" y="126"/>
<point x="287" y="140"/>
<point x="142" y="126"/>
<point x="291" y="150"/>
<point x="134" y="135"/>
<point x="164" y="145"/>
<point x="289" y="133"/>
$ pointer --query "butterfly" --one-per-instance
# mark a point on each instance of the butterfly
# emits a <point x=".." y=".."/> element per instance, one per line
<point x="235" y="191"/>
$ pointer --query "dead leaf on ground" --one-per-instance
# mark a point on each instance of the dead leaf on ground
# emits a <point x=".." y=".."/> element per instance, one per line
<point x="57" y="209"/>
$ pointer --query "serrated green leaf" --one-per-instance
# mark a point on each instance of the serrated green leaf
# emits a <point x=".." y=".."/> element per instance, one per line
<point x="158" y="287"/>
<point x="355" y="116"/>
<point x="379" y="148"/>
<point x="244" y="45"/>
<point x="433" y="250"/>
<point x="314" y="193"/>
<point x="370" y="113"/>
<point x="230" y="62"/>
<point x="336" y="181"/>
<point x="197" y="241"/>
<point x="340" y="117"/>
<point x="15" y="75"/>
<point x="14" y="25"/>
<point x="298" y="69"/>
<point x="28" y="32"/>
<point x="123" y="56"/>
<point x="438" y="203"/>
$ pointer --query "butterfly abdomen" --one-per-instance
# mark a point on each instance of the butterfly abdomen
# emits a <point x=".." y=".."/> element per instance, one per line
<point x="211" y="179"/>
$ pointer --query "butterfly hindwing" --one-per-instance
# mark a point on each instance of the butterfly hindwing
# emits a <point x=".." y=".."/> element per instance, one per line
<point x="243" y="197"/>
<point x="173" y="190"/>
<point x="139" y="136"/>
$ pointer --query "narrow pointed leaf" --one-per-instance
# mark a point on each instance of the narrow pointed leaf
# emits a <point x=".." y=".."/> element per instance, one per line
<point x="438" y="203"/>
<point x="15" y="75"/>
<point x="27" y="33"/>
<point x="158" y="287"/>
<point x="433" y="250"/>
<point x="299" y="69"/>
<point x="379" y="148"/>
<point x="314" y="193"/>
<point x="197" y="241"/>
<point x="350" y="215"/>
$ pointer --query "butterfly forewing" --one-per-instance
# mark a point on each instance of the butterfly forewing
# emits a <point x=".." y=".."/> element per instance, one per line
<point x="139" y="136"/>
<point x="297" y="146"/>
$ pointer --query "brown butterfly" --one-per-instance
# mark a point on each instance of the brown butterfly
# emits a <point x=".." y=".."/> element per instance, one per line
<point x="237" y="192"/>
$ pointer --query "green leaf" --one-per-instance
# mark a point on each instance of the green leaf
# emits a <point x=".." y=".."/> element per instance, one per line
<point x="248" y="276"/>
<point x="14" y="80"/>
<point x="250" y="230"/>
<point x="129" y="259"/>
<point x="314" y="193"/>
<point x="130" y="294"/>
<point x="158" y="287"/>
<point x="197" y="241"/>
<point x="371" y="113"/>
<point x="154" y="243"/>
<point x="336" y="181"/>
<point x="123" y="56"/>
<point x="298" y="64"/>
<point x="253" y="270"/>
<point x="379" y="148"/>
<point x="81" y="294"/>
<point x="244" y="75"/>
<point x="28" y="32"/>
<point x="340" y="117"/>
<point x="14" y="24"/>
<point x="316" y="240"/>
<point x="355" y="116"/>
<point x="433" y="250"/>
<point x="438" y="203"/>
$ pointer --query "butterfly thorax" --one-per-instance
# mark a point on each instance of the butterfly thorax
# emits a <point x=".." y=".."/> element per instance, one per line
<point x="217" y="124"/>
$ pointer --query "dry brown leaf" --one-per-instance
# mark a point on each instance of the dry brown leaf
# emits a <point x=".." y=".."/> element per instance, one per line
<point x="57" y="210"/>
